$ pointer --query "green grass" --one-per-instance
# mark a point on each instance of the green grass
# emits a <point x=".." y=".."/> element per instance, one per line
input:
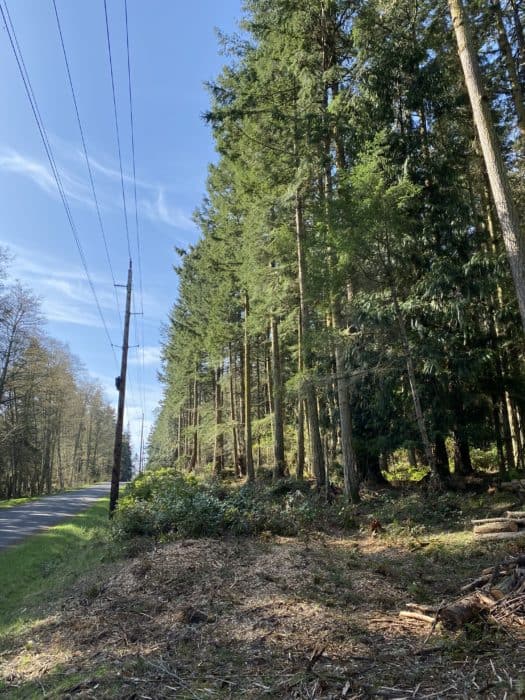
<point x="11" y="502"/>
<point x="17" y="501"/>
<point x="39" y="570"/>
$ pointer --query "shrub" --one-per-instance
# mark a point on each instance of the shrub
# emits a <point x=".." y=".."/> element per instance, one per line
<point x="166" y="502"/>
<point x="134" y="517"/>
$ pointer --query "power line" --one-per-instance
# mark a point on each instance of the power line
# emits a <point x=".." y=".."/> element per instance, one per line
<point x="130" y="92"/>
<point x="117" y="127"/>
<point x="15" y="46"/>
<point x="88" y="163"/>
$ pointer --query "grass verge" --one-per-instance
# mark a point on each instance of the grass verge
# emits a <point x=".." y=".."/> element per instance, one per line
<point x="11" y="502"/>
<point x="39" y="570"/>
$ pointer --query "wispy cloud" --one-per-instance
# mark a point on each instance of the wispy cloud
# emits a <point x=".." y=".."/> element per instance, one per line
<point x="59" y="312"/>
<point x="78" y="291"/>
<point x="40" y="174"/>
<point x="63" y="289"/>
<point x="150" y="353"/>
<point x="66" y="279"/>
<point x="14" y="162"/>
<point x="113" y="174"/>
<point x="160" y="211"/>
<point x="152" y="200"/>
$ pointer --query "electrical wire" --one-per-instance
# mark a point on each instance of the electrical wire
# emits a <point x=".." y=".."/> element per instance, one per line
<point x="17" y="52"/>
<point x="86" y="157"/>
<point x="140" y="339"/>
<point x="117" y="130"/>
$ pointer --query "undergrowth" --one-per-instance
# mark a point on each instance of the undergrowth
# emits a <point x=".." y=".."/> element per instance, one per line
<point x="165" y="502"/>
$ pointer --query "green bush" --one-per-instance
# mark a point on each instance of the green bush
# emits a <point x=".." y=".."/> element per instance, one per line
<point x="164" y="502"/>
<point x="151" y="482"/>
<point x="134" y="517"/>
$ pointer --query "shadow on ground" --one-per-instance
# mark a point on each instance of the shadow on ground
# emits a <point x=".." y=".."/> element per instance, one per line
<point x="312" y="617"/>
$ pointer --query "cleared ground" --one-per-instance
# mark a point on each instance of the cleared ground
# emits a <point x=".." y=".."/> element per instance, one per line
<point x="272" y="617"/>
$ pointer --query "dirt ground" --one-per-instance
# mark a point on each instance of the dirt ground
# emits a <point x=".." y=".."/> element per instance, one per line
<point x="310" y="617"/>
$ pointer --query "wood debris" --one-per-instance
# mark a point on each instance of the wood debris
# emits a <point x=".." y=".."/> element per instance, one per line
<point x="498" y="594"/>
<point x="508" y="527"/>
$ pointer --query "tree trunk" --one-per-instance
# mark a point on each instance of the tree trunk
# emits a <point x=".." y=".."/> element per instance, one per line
<point x="510" y="65"/>
<point x="516" y="434"/>
<point x="242" y="413"/>
<point x="258" y="405"/>
<point x="497" y="435"/>
<point x="178" y="444"/>
<point x="429" y="454"/>
<point x="278" y="411"/>
<point x="462" y="461"/>
<point x="195" y="417"/>
<point x="269" y="381"/>
<point x="350" y="472"/>
<point x="372" y="470"/>
<point x="250" y="471"/>
<point x="507" y="434"/>
<point x="520" y="41"/>
<point x="441" y="457"/>
<point x="233" y="413"/>
<point x="218" y="446"/>
<point x="499" y="184"/>
<point x="300" y="439"/>
<point x="316" y="447"/>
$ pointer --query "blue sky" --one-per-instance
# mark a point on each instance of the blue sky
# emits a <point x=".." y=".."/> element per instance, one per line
<point x="174" y="50"/>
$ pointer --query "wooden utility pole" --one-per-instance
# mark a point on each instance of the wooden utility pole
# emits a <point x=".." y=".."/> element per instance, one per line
<point x="121" y="386"/>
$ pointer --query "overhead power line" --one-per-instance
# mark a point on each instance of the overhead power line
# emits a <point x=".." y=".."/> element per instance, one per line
<point x="137" y="229"/>
<point x="117" y="130"/>
<point x="86" y="157"/>
<point x="15" y="46"/>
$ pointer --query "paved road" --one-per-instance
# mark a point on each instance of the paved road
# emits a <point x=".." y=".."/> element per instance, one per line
<point x="19" y="522"/>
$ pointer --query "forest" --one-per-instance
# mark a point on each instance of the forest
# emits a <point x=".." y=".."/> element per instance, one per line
<point x="333" y="504"/>
<point x="354" y="306"/>
<point x="56" y="426"/>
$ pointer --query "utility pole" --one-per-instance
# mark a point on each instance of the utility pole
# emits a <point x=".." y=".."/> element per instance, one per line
<point x="121" y="386"/>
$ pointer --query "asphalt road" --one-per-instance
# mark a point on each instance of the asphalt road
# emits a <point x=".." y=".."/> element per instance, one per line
<point x="19" y="522"/>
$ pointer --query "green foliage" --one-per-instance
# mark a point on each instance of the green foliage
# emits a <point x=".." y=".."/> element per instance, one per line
<point x="347" y="196"/>
<point x="163" y="502"/>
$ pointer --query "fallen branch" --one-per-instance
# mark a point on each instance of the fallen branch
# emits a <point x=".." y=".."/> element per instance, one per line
<point x="413" y="615"/>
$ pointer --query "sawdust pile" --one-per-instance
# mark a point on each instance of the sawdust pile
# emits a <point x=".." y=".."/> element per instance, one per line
<point x="266" y="618"/>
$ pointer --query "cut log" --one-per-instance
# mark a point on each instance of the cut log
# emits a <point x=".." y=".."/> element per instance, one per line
<point x="481" y="581"/>
<point x="482" y="521"/>
<point x="515" y="514"/>
<point x="497" y="594"/>
<point x="464" y="610"/>
<point x="422" y="608"/>
<point x="500" y="535"/>
<point x="503" y="565"/>
<point x="506" y="526"/>
<point x="413" y="615"/>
